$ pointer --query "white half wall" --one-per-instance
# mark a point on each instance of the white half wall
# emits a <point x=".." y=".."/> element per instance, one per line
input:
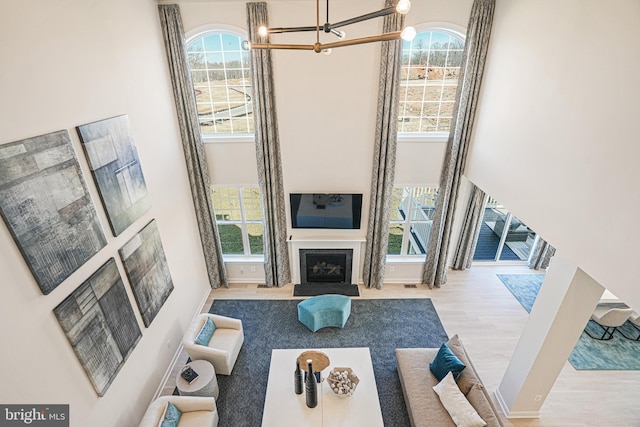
<point x="556" y="130"/>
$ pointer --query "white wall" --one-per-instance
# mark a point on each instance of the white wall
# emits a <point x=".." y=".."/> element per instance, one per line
<point x="556" y="131"/>
<point x="326" y="105"/>
<point x="66" y="63"/>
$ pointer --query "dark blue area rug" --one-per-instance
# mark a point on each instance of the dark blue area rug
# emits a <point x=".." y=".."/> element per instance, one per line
<point x="617" y="353"/>
<point x="382" y="325"/>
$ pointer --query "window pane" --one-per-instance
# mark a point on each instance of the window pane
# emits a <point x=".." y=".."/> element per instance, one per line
<point x="518" y="242"/>
<point x="231" y="239"/>
<point x="397" y="213"/>
<point x="430" y="69"/>
<point x="252" y="204"/>
<point x="256" y="242"/>
<point x="220" y="72"/>
<point x="395" y="239"/>
<point x="226" y="204"/>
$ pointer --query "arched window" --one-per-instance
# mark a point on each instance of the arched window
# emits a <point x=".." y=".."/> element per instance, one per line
<point x="222" y="82"/>
<point x="429" y="79"/>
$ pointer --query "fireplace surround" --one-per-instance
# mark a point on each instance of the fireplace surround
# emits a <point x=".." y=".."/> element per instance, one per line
<point x="332" y="244"/>
<point x="326" y="266"/>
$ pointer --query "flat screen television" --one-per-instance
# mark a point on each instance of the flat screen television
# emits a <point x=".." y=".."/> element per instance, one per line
<point x="324" y="210"/>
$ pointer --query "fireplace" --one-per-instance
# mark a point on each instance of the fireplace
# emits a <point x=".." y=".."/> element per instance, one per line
<point x="326" y="266"/>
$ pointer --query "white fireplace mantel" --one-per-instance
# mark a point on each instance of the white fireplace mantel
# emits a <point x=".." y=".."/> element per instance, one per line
<point x="297" y="244"/>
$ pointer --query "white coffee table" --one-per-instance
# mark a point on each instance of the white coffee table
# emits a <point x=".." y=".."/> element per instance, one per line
<point x="205" y="385"/>
<point x="282" y="407"/>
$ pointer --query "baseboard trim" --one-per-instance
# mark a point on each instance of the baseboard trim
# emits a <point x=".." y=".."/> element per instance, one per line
<point x="514" y="414"/>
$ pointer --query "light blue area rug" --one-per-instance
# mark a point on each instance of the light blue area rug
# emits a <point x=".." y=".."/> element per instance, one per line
<point x="617" y="353"/>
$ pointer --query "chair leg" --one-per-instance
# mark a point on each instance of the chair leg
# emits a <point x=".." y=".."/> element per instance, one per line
<point x="607" y="334"/>
<point x="629" y="338"/>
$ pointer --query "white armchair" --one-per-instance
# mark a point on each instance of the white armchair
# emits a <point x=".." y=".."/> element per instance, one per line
<point x="196" y="410"/>
<point x="609" y="318"/>
<point x="224" y="345"/>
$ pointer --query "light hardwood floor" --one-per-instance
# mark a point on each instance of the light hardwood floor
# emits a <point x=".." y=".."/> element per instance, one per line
<point x="478" y="307"/>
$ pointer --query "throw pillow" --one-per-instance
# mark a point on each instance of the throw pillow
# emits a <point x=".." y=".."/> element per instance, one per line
<point x="206" y="333"/>
<point x="468" y="377"/>
<point x="480" y="401"/>
<point x="171" y="416"/>
<point x="461" y="411"/>
<point x="444" y="362"/>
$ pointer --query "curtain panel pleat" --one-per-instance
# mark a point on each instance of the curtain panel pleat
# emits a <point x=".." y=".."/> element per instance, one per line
<point x="184" y="96"/>
<point x="384" y="158"/>
<point x="470" y="229"/>
<point x="541" y="255"/>
<point x="473" y="61"/>
<point x="276" y="253"/>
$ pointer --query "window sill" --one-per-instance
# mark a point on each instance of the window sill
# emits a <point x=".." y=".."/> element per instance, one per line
<point x="239" y="259"/>
<point x="434" y="137"/>
<point x="407" y="259"/>
<point x="225" y="138"/>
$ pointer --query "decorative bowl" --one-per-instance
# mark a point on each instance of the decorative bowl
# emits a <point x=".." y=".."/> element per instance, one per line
<point x="319" y="361"/>
<point x="343" y="381"/>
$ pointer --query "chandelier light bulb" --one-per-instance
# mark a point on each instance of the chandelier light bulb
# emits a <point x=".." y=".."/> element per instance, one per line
<point x="326" y="51"/>
<point x="340" y="34"/>
<point x="403" y="7"/>
<point x="263" y="31"/>
<point x="408" y="34"/>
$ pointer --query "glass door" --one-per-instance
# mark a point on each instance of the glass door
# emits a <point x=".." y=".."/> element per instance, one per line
<point x="503" y="237"/>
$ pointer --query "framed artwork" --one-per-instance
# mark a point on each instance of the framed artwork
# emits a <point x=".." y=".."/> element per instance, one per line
<point x="148" y="272"/>
<point x="113" y="159"/>
<point x="46" y="205"/>
<point x="100" y="325"/>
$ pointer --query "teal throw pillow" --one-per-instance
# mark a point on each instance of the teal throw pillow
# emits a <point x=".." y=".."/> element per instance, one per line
<point x="445" y="362"/>
<point x="206" y="332"/>
<point x="171" y="416"/>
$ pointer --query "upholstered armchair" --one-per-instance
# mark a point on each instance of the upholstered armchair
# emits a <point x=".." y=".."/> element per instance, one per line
<point x="195" y="410"/>
<point x="222" y="348"/>
<point x="609" y="318"/>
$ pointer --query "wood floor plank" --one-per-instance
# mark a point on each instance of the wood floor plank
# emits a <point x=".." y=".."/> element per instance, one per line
<point x="477" y="306"/>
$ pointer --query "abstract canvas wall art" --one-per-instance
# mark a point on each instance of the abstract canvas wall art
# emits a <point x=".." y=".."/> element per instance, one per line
<point x="46" y="205"/>
<point x="100" y="324"/>
<point x="148" y="272"/>
<point x="112" y="156"/>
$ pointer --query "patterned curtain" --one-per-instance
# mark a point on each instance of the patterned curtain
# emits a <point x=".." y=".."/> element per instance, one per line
<point x="276" y="253"/>
<point x="384" y="158"/>
<point x="184" y="96"/>
<point x="470" y="229"/>
<point x="473" y="60"/>
<point x="542" y="253"/>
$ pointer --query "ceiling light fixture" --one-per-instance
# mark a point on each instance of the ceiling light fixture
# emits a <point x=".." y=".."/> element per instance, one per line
<point x="402" y="8"/>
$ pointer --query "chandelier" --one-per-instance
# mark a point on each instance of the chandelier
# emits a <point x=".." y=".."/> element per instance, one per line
<point x="402" y="7"/>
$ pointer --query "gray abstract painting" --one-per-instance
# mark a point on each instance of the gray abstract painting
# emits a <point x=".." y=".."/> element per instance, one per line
<point x="116" y="169"/>
<point x="46" y="206"/>
<point x="100" y="324"/>
<point x="148" y="272"/>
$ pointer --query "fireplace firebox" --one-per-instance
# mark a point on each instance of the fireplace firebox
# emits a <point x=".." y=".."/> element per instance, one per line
<point x="326" y="266"/>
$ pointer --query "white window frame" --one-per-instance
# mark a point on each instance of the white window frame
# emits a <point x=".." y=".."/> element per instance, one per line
<point x="203" y="31"/>
<point x="242" y="224"/>
<point x="433" y="137"/>
<point x="407" y="222"/>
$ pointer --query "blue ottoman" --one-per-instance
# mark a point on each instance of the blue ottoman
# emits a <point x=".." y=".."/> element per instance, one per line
<point x="324" y="310"/>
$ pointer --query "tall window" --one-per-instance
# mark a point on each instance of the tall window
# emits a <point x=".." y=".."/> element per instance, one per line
<point x="430" y="70"/>
<point x="222" y="82"/>
<point x="411" y="220"/>
<point x="239" y="219"/>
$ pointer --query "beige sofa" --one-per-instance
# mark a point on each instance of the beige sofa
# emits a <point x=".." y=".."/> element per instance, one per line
<point x="423" y="404"/>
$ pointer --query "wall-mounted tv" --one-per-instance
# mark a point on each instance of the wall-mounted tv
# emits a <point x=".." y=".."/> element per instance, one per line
<point x="324" y="210"/>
